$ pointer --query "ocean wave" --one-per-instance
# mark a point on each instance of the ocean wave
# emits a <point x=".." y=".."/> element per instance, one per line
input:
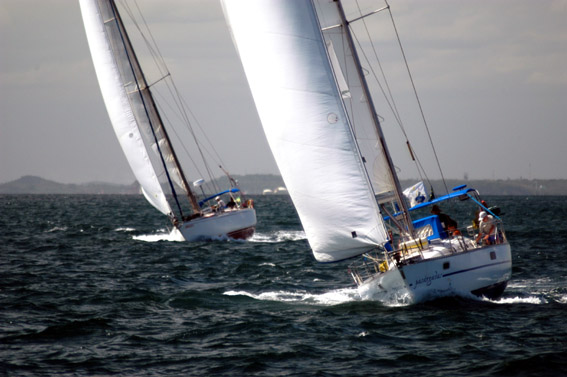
<point x="126" y="229"/>
<point x="57" y="229"/>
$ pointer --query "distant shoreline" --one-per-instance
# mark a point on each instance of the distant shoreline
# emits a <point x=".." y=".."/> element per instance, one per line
<point x="256" y="184"/>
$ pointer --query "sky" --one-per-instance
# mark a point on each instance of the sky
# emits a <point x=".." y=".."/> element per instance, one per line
<point x="491" y="77"/>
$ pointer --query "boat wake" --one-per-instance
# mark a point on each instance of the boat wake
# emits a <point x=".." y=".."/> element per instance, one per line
<point x="392" y="299"/>
<point x="279" y="236"/>
<point x="518" y="300"/>
<point x="534" y="292"/>
<point x="334" y="297"/>
<point x="163" y="235"/>
<point x="176" y="236"/>
<point x="331" y="298"/>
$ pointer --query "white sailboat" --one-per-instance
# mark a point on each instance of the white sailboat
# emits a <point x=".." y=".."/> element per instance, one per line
<point x="145" y="142"/>
<point x="315" y="106"/>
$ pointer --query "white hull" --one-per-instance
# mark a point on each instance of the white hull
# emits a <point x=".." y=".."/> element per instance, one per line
<point x="237" y="224"/>
<point x="482" y="271"/>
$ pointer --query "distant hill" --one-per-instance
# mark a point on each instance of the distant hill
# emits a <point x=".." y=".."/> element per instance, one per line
<point x="35" y="185"/>
<point x="255" y="184"/>
<point x="251" y="184"/>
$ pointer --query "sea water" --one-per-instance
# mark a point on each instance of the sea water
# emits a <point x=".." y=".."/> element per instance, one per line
<point x="96" y="285"/>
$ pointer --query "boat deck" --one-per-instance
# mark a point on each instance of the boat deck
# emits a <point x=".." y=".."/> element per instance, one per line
<point x="430" y="245"/>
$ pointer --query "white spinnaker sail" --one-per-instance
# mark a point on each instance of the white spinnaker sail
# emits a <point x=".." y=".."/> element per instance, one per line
<point x="120" y="107"/>
<point x="298" y="101"/>
<point x="356" y="102"/>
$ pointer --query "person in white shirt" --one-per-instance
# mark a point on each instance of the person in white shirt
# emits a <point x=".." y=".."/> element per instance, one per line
<point x="486" y="229"/>
<point x="220" y="204"/>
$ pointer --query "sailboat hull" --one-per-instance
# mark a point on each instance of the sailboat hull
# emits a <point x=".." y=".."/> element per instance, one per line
<point x="481" y="272"/>
<point x="238" y="224"/>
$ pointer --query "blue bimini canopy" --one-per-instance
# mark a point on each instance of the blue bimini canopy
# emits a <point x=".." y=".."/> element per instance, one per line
<point x="459" y="191"/>
<point x="217" y="194"/>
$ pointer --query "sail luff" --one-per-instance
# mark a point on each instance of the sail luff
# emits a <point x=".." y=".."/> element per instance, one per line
<point x="299" y="103"/>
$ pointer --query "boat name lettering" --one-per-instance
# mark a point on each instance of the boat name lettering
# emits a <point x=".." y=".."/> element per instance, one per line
<point x="428" y="279"/>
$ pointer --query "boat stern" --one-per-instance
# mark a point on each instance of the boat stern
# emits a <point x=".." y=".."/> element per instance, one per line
<point x="237" y="224"/>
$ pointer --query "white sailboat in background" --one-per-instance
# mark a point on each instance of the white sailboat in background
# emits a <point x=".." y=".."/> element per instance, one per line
<point x="315" y="106"/>
<point x="145" y="142"/>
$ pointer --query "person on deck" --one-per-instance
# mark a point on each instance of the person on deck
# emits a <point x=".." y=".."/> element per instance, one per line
<point x="231" y="204"/>
<point x="477" y="213"/>
<point x="449" y="225"/>
<point x="220" y="204"/>
<point x="486" y="229"/>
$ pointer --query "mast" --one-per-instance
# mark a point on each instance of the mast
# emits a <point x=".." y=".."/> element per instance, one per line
<point x="150" y="107"/>
<point x="391" y="168"/>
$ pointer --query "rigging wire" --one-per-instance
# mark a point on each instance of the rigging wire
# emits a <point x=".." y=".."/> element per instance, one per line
<point x="388" y="97"/>
<point x="391" y="104"/>
<point x="183" y="110"/>
<point x="416" y="96"/>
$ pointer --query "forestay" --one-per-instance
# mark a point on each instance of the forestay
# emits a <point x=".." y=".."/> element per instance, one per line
<point x="128" y="101"/>
<point x="306" y="124"/>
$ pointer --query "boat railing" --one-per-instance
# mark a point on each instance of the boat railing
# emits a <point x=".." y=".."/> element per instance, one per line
<point x="465" y="236"/>
<point x="459" y="240"/>
<point x="371" y="264"/>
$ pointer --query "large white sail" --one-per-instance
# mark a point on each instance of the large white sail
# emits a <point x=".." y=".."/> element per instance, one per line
<point x="121" y="97"/>
<point x="306" y="124"/>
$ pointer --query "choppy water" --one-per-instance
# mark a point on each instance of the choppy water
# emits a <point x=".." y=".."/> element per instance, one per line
<point x="91" y="285"/>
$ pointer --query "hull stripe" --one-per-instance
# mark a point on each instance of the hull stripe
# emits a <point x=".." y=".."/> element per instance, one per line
<point x="475" y="268"/>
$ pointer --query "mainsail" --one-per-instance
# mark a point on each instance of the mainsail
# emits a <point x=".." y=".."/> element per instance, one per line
<point x="300" y="104"/>
<point x="131" y="108"/>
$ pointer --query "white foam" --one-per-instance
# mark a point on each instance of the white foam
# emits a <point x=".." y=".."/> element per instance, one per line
<point x="341" y="296"/>
<point x="334" y="297"/>
<point x="393" y="298"/>
<point x="538" y="291"/>
<point x="532" y="283"/>
<point x="279" y="236"/>
<point x="519" y="300"/>
<point x="268" y="264"/>
<point x="57" y="229"/>
<point x="174" y="235"/>
<point x="124" y="229"/>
